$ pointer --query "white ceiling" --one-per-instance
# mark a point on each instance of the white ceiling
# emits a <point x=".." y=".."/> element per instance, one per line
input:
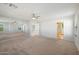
<point x="45" y="10"/>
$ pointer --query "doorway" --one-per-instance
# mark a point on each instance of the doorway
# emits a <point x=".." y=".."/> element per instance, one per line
<point x="60" y="28"/>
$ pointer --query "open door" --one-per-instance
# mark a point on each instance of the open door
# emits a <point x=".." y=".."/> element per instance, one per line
<point x="60" y="28"/>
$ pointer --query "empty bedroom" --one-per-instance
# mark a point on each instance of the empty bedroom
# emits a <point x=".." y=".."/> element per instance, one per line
<point x="39" y="29"/>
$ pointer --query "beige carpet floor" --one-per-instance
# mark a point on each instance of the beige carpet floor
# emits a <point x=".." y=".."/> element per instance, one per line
<point x="21" y="44"/>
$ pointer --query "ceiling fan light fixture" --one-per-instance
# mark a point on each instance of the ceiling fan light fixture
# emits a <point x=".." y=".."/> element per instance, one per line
<point x="33" y="18"/>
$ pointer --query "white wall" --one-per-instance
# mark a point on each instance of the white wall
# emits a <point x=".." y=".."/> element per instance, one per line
<point x="76" y="32"/>
<point x="48" y="28"/>
<point x="68" y="29"/>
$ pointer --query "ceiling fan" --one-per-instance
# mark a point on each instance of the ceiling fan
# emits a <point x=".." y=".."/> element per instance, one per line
<point x="11" y="5"/>
<point x="34" y="16"/>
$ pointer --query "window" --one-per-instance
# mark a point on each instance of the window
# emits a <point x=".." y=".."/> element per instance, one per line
<point x="1" y="27"/>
